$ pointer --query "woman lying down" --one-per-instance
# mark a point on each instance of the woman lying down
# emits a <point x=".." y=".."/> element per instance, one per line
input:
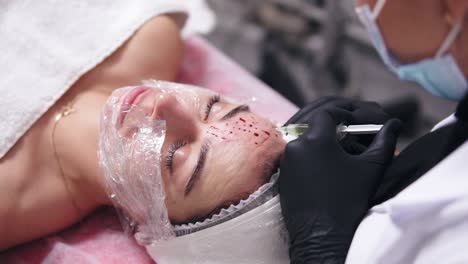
<point x="168" y="145"/>
<point x="209" y="152"/>
<point x="162" y="153"/>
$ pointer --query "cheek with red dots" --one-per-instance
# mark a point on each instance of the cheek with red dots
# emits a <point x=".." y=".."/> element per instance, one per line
<point x="240" y="128"/>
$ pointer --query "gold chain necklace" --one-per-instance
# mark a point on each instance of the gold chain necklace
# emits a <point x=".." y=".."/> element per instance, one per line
<point x="64" y="112"/>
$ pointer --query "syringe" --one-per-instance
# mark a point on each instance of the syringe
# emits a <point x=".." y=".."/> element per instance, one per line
<point x="293" y="131"/>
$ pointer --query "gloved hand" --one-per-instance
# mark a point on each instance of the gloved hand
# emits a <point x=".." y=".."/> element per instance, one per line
<point x="363" y="113"/>
<point x="324" y="190"/>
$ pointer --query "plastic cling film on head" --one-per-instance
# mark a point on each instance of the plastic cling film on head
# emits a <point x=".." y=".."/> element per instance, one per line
<point x="185" y="92"/>
<point x="130" y="143"/>
<point x="132" y="134"/>
<point x="131" y="165"/>
<point x="135" y="122"/>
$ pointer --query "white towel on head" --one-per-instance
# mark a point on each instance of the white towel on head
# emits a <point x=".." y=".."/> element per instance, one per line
<point x="47" y="45"/>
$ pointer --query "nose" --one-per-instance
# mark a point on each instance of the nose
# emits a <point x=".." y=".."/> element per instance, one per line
<point x="181" y="120"/>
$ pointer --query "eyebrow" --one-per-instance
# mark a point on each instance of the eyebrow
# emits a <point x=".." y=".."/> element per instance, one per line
<point x="205" y="148"/>
<point x="198" y="168"/>
<point x="235" y="111"/>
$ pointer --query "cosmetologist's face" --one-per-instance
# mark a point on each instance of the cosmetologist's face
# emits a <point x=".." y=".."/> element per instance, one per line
<point x="414" y="30"/>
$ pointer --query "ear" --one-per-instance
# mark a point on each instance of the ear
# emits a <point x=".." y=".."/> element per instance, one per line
<point x="457" y="10"/>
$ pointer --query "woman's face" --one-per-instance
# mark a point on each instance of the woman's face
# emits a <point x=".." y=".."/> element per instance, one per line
<point x="215" y="153"/>
<point x="414" y="30"/>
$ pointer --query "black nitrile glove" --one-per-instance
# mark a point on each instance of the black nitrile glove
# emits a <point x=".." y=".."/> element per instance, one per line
<point x="363" y="113"/>
<point x="324" y="190"/>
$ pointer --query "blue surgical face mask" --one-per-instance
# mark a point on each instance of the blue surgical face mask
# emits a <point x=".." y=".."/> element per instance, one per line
<point x="440" y="75"/>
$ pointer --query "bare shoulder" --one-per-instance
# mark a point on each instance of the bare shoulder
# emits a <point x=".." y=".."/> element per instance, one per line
<point x="33" y="198"/>
<point x="154" y="51"/>
<point x="157" y="47"/>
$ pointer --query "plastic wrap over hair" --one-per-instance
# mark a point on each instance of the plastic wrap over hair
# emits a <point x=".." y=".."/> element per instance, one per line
<point x="130" y="156"/>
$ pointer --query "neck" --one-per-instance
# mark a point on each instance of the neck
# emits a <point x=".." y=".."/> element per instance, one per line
<point x="77" y="139"/>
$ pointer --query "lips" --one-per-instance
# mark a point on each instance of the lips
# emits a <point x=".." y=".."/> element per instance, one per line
<point x="130" y="98"/>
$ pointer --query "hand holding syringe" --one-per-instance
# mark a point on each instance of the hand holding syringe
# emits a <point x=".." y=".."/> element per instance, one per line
<point x="293" y="131"/>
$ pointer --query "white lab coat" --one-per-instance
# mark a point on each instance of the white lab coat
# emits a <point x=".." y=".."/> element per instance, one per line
<point x="425" y="223"/>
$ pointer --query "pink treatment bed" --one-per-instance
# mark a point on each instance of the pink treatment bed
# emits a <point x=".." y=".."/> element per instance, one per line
<point x="99" y="237"/>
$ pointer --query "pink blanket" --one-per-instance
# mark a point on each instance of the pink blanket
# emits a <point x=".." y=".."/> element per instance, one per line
<point x="99" y="238"/>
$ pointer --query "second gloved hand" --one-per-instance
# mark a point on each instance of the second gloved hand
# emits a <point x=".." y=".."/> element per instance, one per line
<point x="324" y="190"/>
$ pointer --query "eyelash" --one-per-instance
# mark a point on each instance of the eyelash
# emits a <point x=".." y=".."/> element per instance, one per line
<point x="179" y="144"/>
<point x="213" y="100"/>
<point x="172" y="149"/>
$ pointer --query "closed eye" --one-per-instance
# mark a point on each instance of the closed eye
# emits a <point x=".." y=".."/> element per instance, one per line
<point x="213" y="100"/>
<point x="168" y="161"/>
<point x="170" y="155"/>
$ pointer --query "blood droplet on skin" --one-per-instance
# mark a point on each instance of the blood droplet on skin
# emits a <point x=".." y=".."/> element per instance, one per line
<point x="250" y="125"/>
<point x="242" y="119"/>
<point x="256" y="134"/>
<point x="266" y="132"/>
<point x="256" y="143"/>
